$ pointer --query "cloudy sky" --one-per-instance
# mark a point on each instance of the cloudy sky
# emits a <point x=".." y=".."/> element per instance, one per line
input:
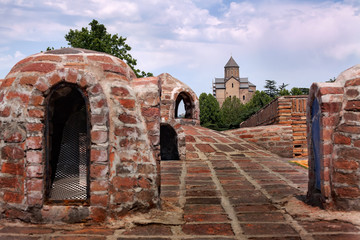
<point x="296" y="42"/>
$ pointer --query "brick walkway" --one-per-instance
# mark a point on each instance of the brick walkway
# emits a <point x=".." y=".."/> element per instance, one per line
<point x="226" y="189"/>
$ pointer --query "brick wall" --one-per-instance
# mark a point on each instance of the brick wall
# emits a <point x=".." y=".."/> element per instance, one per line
<point x="334" y="157"/>
<point x="123" y="136"/>
<point x="285" y="110"/>
<point x="277" y="139"/>
<point x="171" y="88"/>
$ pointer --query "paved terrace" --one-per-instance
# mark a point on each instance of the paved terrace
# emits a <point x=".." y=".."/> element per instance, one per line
<point x="226" y="188"/>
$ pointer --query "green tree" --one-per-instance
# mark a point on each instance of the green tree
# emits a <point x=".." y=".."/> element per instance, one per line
<point x="331" y="79"/>
<point x="305" y="91"/>
<point x="98" y="39"/>
<point x="284" y="92"/>
<point x="209" y="111"/>
<point x="271" y="88"/>
<point x="299" y="91"/>
<point x="282" y="87"/>
<point x="258" y="101"/>
<point x="231" y="111"/>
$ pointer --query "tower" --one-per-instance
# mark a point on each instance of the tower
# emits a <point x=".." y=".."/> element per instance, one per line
<point x="232" y="85"/>
<point x="231" y="69"/>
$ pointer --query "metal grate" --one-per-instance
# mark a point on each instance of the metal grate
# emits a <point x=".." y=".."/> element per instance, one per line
<point x="70" y="182"/>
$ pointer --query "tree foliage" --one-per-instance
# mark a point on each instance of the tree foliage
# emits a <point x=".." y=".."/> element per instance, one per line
<point x="331" y="80"/>
<point x="258" y="101"/>
<point x="295" y="91"/>
<point x="209" y="111"/>
<point x="231" y="111"/>
<point x="274" y="92"/>
<point x="271" y="89"/>
<point x="98" y="39"/>
<point x="299" y="91"/>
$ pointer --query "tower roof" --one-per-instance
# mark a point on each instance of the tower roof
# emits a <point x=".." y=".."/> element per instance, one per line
<point x="231" y="63"/>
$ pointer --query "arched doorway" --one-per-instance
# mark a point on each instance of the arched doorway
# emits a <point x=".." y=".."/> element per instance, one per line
<point x="168" y="143"/>
<point x="68" y="144"/>
<point x="184" y="102"/>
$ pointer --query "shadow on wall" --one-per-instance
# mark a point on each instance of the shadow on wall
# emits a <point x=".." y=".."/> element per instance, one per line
<point x="168" y="143"/>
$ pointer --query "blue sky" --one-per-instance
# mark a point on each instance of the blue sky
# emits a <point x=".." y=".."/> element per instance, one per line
<point x="292" y="42"/>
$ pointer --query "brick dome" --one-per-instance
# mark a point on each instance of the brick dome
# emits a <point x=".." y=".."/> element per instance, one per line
<point x="80" y="138"/>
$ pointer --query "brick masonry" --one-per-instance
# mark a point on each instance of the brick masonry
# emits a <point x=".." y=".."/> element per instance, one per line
<point x="173" y="89"/>
<point x="285" y="110"/>
<point x="124" y="115"/>
<point x="236" y="191"/>
<point x="277" y="139"/>
<point x="338" y="148"/>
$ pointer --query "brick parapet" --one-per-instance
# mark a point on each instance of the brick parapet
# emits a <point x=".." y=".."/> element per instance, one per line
<point x="285" y="110"/>
<point x="277" y="139"/>
<point x="339" y="149"/>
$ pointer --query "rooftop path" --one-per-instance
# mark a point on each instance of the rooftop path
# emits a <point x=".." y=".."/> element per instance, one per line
<point x="226" y="188"/>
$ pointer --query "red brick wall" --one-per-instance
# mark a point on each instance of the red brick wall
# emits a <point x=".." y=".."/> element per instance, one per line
<point x="124" y="134"/>
<point x="170" y="89"/>
<point x="339" y="142"/>
<point x="277" y="139"/>
<point x="285" y="110"/>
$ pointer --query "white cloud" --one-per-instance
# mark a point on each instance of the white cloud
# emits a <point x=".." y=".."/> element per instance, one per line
<point x="7" y="61"/>
<point x="196" y="36"/>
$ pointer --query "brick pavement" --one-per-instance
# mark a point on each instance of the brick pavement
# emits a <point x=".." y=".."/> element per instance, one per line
<point x="226" y="188"/>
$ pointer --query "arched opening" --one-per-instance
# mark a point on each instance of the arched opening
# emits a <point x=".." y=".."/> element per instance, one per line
<point x="186" y="103"/>
<point x="181" y="109"/>
<point x="168" y="143"/>
<point x="68" y="144"/>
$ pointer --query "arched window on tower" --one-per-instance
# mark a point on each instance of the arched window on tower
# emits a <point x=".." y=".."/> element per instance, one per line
<point x="68" y="144"/>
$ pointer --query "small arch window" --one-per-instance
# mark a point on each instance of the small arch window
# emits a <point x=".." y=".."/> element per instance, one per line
<point x="68" y="144"/>
<point x="243" y="97"/>
<point x="232" y="85"/>
<point x="184" y="106"/>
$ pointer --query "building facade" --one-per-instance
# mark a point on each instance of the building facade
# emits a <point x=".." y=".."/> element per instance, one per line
<point x="232" y="85"/>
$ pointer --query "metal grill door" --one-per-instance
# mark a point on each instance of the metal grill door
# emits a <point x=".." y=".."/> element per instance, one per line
<point x="70" y="182"/>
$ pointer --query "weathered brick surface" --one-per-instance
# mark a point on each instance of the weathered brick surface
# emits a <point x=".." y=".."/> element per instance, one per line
<point x="123" y="119"/>
<point x="286" y="110"/>
<point x="249" y="187"/>
<point x="206" y="148"/>
<point x="207" y="229"/>
<point x="275" y="138"/>
<point x="267" y="228"/>
<point x="338" y="149"/>
<point x="150" y="230"/>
